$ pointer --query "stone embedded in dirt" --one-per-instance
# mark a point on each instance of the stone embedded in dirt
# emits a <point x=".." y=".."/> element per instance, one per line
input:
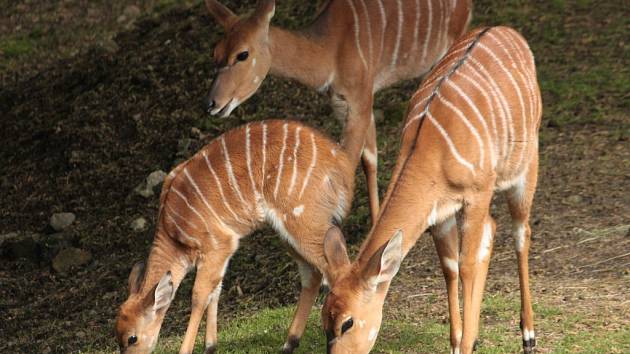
<point x="139" y="224"/>
<point x="574" y="199"/>
<point x="61" y="221"/>
<point x="147" y="188"/>
<point x="70" y="258"/>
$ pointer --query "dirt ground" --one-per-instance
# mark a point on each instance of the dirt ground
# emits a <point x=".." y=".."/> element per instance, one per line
<point x="87" y="115"/>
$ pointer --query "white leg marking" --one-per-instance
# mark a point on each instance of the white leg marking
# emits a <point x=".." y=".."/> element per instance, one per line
<point x="370" y="157"/>
<point x="452" y="265"/>
<point x="295" y="158"/>
<point x="518" y="232"/>
<point x="450" y="144"/>
<point x="446" y="226"/>
<point x="432" y="219"/>
<point x="486" y="243"/>
<point x="357" y="37"/>
<point x="311" y="167"/>
<point x="285" y="130"/>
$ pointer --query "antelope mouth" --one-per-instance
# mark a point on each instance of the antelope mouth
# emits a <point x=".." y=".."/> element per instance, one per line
<point x="227" y="109"/>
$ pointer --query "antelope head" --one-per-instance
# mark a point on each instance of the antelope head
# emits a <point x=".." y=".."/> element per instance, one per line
<point x="353" y="310"/>
<point x="243" y="56"/>
<point x="140" y="317"/>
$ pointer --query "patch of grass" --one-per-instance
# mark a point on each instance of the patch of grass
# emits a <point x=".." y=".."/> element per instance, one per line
<point x="15" y="47"/>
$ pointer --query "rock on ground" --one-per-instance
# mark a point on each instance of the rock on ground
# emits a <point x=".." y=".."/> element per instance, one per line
<point x="139" y="224"/>
<point x="70" y="258"/>
<point x="147" y="188"/>
<point x="61" y="221"/>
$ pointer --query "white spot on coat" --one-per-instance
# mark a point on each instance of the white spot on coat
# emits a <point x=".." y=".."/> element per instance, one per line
<point x="297" y="211"/>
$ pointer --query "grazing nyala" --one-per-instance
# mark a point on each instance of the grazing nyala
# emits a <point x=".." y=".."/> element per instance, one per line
<point x="353" y="49"/>
<point x="281" y="173"/>
<point x="471" y="129"/>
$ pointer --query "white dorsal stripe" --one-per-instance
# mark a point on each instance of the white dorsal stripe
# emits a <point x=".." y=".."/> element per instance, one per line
<point x="516" y="87"/>
<point x="295" y="158"/>
<point x="399" y="32"/>
<point x="357" y="37"/>
<point x="220" y="188"/>
<point x="192" y="208"/>
<point x="480" y="118"/>
<point x="428" y="34"/>
<point x="230" y="171"/>
<point x="249" y="159"/>
<point x="312" y="165"/>
<point x="368" y="25"/>
<point x="285" y="133"/>
<point x="450" y="144"/>
<point x="466" y="122"/>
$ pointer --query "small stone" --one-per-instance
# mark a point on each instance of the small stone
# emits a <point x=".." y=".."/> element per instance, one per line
<point x="132" y="11"/>
<point x="70" y="258"/>
<point x="139" y="224"/>
<point x="155" y="178"/>
<point x="574" y="199"/>
<point x="60" y="221"/>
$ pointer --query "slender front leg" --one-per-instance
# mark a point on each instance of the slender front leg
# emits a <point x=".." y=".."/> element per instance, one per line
<point x="311" y="280"/>
<point x="370" y="168"/>
<point x="447" y="246"/>
<point x="207" y="280"/>
<point x="211" y="321"/>
<point x="476" y="247"/>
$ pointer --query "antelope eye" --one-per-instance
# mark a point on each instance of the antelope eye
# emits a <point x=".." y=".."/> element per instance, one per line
<point x="346" y="325"/>
<point x="132" y="340"/>
<point x="242" y="56"/>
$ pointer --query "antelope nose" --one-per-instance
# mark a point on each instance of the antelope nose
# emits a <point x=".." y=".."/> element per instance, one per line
<point x="211" y="105"/>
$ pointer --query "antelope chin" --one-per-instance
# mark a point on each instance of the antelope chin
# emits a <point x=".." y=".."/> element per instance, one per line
<point x="226" y="110"/>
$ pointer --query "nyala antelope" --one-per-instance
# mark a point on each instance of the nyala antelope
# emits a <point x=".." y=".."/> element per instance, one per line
<point x="353" y="49"/>
<point x="277" y="172"/>
<point x="471" y="129"/>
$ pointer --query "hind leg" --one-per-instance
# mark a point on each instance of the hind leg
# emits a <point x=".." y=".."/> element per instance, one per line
<point x="369" y="158"/>
<point x="447" y="246"/>
<point x="519" y="199"/>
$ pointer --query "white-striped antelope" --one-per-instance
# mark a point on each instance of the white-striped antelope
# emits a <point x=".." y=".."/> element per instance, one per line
<point x="353" y="49"/>
<point x="281" y="173"/>
<point x="471" y="130"/>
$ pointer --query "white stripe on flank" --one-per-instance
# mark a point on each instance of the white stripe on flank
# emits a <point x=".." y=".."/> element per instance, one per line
<point x="399" y="33"/>
<point x="185" y="234"/>
<point x="428" y="34"/>
<point x="231" y="177"/>
<point x="192" y="208"/>
<point x="480" y="118"/>
<point x="249" y="160"/>
<point x="450" y="144"/>
<point x="295" y="158"/>
<point x="383" y="27"/>
<point x="311" y="167"/>
<point x="508" y="127"/>
<point x="357" y="37"/>
<point x="490" y="104"/>
<point x="517" y="90"/>
<point x="285" y="130"/>
<point x="220" y="188"/>
<point x="264" y="154"/>
<point x="369" y="30"/>
<point x="416" y="29"/>
<point x="469" y="125"/>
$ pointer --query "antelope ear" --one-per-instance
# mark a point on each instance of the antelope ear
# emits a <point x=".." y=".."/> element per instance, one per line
<point x="384" y="264"/>
<point x="265" y="10"/>
<point x="224" y="16"/>
<point x="135" y="278"/>
<point x="335" y="250"/>
<point x="163" y="293"/>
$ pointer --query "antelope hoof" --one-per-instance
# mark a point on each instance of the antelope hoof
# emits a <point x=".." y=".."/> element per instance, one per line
<point x="292" y="343"/>
<point x="529" y="345"/>
<point x="210" y="349"/>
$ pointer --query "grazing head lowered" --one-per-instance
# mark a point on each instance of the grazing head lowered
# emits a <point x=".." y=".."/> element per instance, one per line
<point x="352" y="313"/>
<point x="140" y="317"/>
<point x="243" y="57"/>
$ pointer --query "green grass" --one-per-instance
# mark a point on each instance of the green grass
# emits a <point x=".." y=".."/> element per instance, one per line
<point x="16" y="47"/>
<point x="559" y="331"/>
